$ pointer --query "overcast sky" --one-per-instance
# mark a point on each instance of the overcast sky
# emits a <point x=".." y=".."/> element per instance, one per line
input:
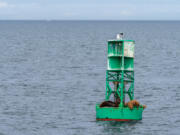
<point x="90" y="9"/>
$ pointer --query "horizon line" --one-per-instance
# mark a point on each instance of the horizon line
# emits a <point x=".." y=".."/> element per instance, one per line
<point x="78" y="20"/>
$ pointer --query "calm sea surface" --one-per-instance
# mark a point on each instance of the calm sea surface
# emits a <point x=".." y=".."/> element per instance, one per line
<point x="52" y="73"/>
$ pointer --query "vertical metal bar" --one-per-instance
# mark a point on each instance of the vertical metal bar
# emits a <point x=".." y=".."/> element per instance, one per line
<point x="107" y="76"/>
<point x="117" y="87"/>
<point x="122" y="76"/>
<point x="107" y="85"/>
<point x="133" y="86"/>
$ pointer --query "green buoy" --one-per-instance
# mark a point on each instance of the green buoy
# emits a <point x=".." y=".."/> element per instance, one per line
<point x="119" y="82"/>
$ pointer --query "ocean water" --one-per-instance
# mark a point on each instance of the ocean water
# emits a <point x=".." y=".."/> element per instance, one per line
<point x="52" y="73"/>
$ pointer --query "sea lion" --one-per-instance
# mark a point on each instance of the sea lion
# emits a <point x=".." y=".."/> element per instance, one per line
<point x="110" y="104"/>
<point x="133" y="103"/>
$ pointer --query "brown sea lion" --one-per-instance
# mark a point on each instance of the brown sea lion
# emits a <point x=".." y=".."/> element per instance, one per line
<point x="109" y="104"/>
<point x="133" y="103"/>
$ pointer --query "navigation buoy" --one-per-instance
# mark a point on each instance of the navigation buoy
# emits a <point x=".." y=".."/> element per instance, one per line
<point x="119" y="83"/>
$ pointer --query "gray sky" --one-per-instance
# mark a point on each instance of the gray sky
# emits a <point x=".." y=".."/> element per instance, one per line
<point x="90" y="9"/>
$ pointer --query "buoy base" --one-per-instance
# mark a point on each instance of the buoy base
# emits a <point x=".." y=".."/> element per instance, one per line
<point x="118" y="113"/>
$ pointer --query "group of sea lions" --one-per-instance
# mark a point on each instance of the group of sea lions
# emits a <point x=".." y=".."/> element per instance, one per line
<point x="131" y="104"/>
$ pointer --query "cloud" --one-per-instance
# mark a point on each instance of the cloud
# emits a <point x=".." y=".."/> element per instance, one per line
<point x="3" y="4"/>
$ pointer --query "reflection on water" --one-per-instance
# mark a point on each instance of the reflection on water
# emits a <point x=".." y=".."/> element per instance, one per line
<point x="112" y="127"/>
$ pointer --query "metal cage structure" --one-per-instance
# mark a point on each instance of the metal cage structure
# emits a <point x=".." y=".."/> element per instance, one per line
<point x="120" y="69"/>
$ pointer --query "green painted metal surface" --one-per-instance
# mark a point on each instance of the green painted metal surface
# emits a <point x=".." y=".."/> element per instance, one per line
<point x="118" y="52"/>
<point x="120" y="70"/>
<point x="118" y="113"/>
